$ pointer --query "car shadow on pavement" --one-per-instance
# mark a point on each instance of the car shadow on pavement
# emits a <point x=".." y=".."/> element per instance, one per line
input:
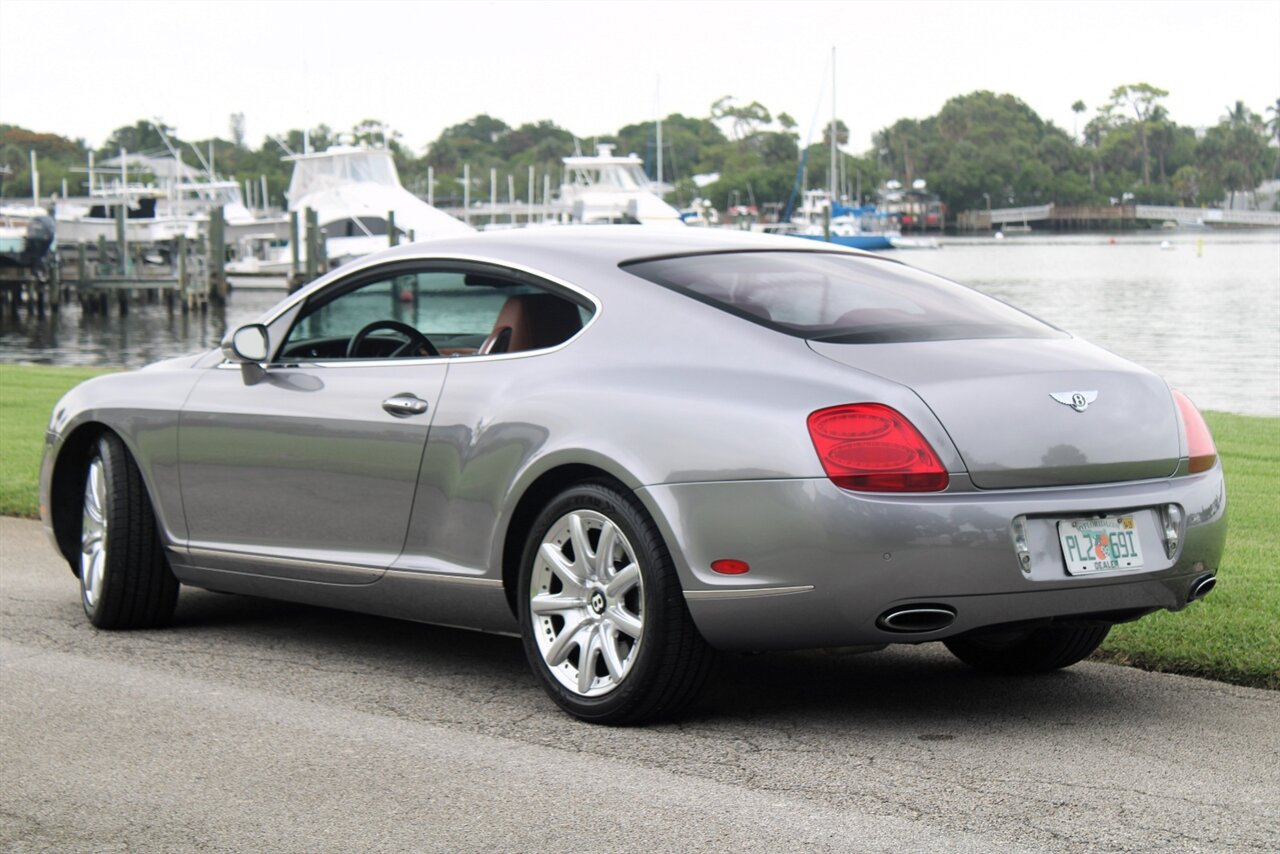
<point x="327" y="631"/>
<point x="919" y="687"/>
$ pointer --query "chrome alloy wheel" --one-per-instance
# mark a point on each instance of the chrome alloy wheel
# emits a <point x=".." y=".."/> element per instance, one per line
<point x="587" y="603"/>
<point x="93" y="534"/>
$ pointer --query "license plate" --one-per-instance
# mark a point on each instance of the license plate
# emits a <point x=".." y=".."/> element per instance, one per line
<point x="1109" y="544"/>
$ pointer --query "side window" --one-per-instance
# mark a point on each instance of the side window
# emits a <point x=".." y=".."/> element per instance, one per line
<point x="432" y="313"/>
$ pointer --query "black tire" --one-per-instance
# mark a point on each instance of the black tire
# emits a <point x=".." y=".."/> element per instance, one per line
<point x="133" y="587"/>
<point x="1035" y="650"/>
<point x="661" y="670"/>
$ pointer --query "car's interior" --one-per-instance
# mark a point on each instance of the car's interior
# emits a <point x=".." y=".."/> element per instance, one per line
<point x="433" y="313"/>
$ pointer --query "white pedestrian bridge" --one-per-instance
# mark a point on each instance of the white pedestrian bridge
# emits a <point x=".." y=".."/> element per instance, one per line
<point x="1163" y="213"/>
<point x="1206" y="216"/>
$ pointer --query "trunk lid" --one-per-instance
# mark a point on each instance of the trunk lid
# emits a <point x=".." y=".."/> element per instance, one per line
<point x="996" y="400"/>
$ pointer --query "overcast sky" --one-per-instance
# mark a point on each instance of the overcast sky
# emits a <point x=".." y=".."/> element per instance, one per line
<point x="88" y="68"/>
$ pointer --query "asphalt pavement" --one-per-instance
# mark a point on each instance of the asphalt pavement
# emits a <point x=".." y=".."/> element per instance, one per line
<point x="252" y="725"/>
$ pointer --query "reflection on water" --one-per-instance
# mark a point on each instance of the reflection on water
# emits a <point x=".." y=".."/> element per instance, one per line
<point x="1208" y="321"/>
<point x="1206" y="318"/>
<point x="147" y="333"/>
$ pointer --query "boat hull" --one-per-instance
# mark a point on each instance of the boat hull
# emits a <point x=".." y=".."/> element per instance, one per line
<point x="853" y="241"/>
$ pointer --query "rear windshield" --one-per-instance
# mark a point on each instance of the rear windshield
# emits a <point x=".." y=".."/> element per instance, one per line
<point x="841" y="299"/>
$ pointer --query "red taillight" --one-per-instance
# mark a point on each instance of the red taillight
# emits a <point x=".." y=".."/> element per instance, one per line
<point x="873" y="448"/>
<point x="1200" y="448"/>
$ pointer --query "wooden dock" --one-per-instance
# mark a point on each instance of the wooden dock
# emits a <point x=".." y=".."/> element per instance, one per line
<point x="184" y="274"/>
<point x="178" y="272"/>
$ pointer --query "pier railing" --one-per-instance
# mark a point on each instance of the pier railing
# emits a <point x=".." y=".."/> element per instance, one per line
<point x="1122" y="214"/>
<point x="1002" y="216"/>
<point x="1207" y="216"/>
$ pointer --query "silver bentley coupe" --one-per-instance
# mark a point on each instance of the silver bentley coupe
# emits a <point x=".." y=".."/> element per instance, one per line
<point x="634" y="446"/>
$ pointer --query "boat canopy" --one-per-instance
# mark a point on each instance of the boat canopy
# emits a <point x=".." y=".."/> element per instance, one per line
<point x="613" y="176"/>
<point x="606" y="171"/>
<point x="341" y="166"/>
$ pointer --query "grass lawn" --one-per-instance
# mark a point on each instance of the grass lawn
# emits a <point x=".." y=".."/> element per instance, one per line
<point x="27" y="396"/>
<point x="1233" y="635"/>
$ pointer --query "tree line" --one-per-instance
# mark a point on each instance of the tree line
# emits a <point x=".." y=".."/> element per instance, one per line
<point x="980" y="150"/>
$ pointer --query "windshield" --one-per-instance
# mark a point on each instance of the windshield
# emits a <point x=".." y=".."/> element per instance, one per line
<point x="613" y="176"/>
<point x="843" y="299"/>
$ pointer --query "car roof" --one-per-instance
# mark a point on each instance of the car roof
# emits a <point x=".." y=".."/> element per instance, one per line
<point x="607" y="244"/>
<point x="572" y="252"/>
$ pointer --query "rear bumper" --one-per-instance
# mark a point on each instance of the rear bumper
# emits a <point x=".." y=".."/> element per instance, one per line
<point x="826" y="563"/>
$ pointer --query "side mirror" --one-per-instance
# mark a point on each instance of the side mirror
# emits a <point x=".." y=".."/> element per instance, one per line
<point x="248" y="344"/>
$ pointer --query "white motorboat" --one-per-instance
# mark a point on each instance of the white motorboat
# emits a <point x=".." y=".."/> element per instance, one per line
<point x="351" y="189"/>
<point x="26" y="238"/>
<point x="610" y="188"/>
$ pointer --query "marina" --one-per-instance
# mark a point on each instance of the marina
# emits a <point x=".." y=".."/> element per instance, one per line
<point x="174" y="233"/>
<point x="1204" y="313"/>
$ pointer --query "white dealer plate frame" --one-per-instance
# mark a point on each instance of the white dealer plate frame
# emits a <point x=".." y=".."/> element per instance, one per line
<point x="1105" y="544"/>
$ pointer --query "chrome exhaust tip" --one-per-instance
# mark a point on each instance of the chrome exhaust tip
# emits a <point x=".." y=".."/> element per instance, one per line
<point x="917" y="618"/>
<point x="1201" y="586"/>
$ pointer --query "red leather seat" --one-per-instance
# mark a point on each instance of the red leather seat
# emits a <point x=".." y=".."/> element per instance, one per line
<point x="532" y="322"/>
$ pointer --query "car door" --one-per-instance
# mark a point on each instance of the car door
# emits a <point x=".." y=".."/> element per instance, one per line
<point x="307" y="469"/>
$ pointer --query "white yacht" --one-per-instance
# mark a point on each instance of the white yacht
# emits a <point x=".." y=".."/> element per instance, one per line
<point x="351" y="189"/>
<point x="609" y="188"/>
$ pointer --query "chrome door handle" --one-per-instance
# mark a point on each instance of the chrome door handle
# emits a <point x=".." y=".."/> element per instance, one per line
<point x="404" y="405"/>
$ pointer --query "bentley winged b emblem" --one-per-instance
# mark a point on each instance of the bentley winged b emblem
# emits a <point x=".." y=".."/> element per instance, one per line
<point x="1077" y="400"/>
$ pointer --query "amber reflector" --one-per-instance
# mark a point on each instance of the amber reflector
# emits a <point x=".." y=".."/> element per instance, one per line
<point x="1200" y="448"/>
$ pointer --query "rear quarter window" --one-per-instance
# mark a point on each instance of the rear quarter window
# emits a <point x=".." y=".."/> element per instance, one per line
<point x="841" y="299"/>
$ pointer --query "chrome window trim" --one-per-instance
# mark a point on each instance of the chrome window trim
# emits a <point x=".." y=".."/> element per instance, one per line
<point x="305" y="293"/>
<point x="448" y="578"/>
<point x="273" y="560"/>
<point x="195" y="554"/>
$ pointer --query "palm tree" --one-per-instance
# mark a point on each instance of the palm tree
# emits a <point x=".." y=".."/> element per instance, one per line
<point x="1237" y="115"/>
<point x="1273" y="125"/>
<point x="1078" y="107"/>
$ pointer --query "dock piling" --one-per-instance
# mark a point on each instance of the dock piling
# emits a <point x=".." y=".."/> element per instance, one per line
<point x="217" y="255"/>
<point x="122" y="263"/>
<point x="313" y="244"/>
<point x="294" y="249"/>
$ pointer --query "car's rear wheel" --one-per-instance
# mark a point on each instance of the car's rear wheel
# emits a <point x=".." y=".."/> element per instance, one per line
<point x="602" y="613"/>
<point x="1034" y="650"/>
<point x="125" y="580"/>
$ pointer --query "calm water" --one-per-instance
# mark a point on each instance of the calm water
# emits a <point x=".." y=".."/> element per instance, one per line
<point x="1208" y="322"/>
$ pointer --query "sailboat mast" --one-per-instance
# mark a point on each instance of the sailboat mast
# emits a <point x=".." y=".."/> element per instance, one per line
<point x="832" y="173"/>
<point x="659" y="112"/>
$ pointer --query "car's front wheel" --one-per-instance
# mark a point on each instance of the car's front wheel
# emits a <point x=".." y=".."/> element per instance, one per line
<point x="1035" y="650"/>
<point x="125" y="580"/>
<point x="602" y="613"/>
